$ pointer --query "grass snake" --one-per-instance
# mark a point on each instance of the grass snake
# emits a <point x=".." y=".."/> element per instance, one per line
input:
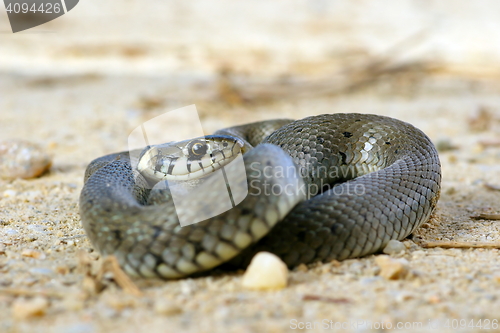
<point x="354" y="182"/>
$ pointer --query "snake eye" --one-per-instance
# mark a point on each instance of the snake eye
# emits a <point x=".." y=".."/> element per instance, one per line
<point x="199" y="149"/>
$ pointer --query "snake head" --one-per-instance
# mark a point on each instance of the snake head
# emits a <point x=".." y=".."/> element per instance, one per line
<point x="189" y="159"/>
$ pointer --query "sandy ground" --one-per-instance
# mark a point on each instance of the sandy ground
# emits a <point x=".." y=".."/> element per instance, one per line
<point x="78" y="85"/>
<point x="78" y="118"/>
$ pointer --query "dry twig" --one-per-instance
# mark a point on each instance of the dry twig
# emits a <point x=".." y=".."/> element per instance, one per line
<point x="110" y="264"/>
<point x="326" y="299"/>
<point x="93" y="283"/>
<point x="492" y="187"/>
<point x="486" y="217"/>
<point x="461" y="245"/>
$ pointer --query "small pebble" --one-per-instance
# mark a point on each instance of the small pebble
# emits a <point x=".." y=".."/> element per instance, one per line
<point x="335" y="263"/>
<point x="445" y="144"/>
<point x="9" y="193"/>
<point x="73" y="303"/>
<point x="356" y="268"/>
<point x="120" y="302"/>
<point x="266" y="272"/>
<point x="11" y="232"/>
<point x="77" y="328"/>
<point x="23" y="309"/>
<point x="301" y="268"/>
<point x="63" y="270"/>
<point x="5" y="282"/>
<point x="434" y="299"/>
<point x="22" y="159"/>
<point x="418" y="254"/>
<point x="33" y="254"/>
<point x="370" y="280"/>
<point x="37" y="228"/>
<point x="403" y="297"/>
<point x="166" y="308"/>
<point x="29" y="281"/>
<point x="394" y="247"/>
<point x="391" y="268"/>
<point x="41" y="271"/>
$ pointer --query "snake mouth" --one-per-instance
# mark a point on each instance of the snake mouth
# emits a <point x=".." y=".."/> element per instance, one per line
<point x="190" y="159"/>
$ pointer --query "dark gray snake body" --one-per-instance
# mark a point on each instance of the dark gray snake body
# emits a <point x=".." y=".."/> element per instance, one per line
<point x="378" y="179"/>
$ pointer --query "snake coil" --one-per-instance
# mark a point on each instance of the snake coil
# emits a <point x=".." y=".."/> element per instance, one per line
<point x="367" y="179"/>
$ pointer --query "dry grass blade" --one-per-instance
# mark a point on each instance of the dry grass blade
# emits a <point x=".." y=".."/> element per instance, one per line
<point x="461" y="245"/>
<point x="486" y="217"/>
<point x="110" y="264"/>
<point x="492" y="187"/>
<point x="93" y="283"/>
<point x="310" y="297"/>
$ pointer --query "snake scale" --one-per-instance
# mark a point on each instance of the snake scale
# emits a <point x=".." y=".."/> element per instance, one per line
<point x="367" y="179"/>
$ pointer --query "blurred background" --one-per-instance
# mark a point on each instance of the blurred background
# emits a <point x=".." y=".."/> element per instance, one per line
<point x="156" y="56"/>
<point x="260" y="38"/>
<point x="245" y="53"/>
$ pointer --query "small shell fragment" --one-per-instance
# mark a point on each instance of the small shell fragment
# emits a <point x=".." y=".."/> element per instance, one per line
<point x="390" y="268"/>
<point x="22" y="159"/>
<point x="266" y="272"/>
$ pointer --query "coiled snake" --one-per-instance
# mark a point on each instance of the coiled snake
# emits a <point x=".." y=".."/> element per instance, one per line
<point x="376" y="179"/>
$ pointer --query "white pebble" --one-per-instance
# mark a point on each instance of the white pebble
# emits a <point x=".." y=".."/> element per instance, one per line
<point x="266" y="272"/>
<point x="166" y="308"/>
<point x="394" y="247"/>
<point x="9" y="193"/>
<point x="22" y="159"/>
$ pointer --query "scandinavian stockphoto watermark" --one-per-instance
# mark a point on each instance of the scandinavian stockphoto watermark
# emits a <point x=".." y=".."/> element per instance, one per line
<point x="328" y="180"/>
<point x="220" y="190"/>
<point x="458" y="324"/>
<point x="26" y="14"/>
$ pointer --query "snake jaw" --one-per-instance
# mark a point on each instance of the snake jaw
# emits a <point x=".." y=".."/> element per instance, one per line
<point x="190" y="159"/>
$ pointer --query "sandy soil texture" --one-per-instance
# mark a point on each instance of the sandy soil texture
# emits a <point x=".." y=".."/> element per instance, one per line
<point x="78" y="85"/>
<point x="78" y="118"/>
